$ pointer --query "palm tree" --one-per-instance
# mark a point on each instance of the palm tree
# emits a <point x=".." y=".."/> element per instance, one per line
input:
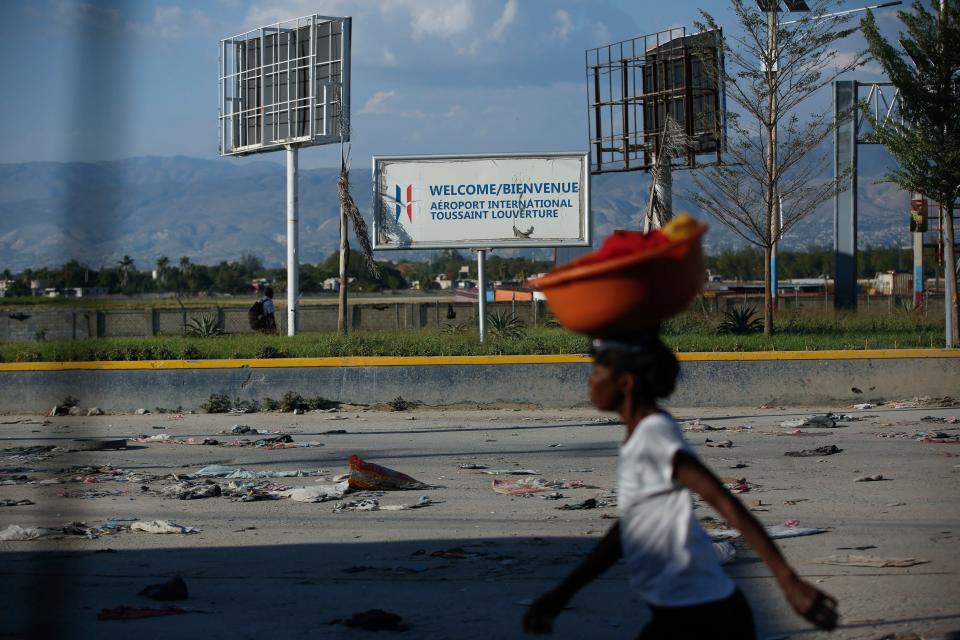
<point x="126" y="264"/>
<point x="163" y="263"/>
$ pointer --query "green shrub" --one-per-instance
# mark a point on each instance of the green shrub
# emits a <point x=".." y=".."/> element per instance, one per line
<point x="399" y="404"/>
<point x="505" y="325"/>
<point x="217" y="403"/>
<point x="740" y="321"/>
<point x="205" y="326"/>
<point x="291" y="401"/>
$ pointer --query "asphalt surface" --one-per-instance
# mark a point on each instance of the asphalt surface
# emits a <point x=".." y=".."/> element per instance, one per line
<point x="464" y="565"/>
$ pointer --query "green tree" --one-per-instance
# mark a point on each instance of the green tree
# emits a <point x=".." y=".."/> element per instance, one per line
<point x="126" y="264"/>
<point x="926" y="146"/>
<point x="163" y="263"/>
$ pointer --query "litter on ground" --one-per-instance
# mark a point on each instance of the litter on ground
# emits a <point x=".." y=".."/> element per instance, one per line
<point x="372" y="477"/>
<point x="828" y="450"/>
<point x="870" y="561"/>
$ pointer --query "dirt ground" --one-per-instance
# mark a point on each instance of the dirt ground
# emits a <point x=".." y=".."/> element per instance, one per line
<point x="282" y="568"/>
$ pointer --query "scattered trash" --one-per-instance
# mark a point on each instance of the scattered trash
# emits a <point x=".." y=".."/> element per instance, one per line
<point x="319" y="493"/>
<point x="736" y="486"/>
<point x="740" y="465"/>
<point x="94" y="444"/>
<point x="925" y="402"/>
<point x="828" y="450"/>
<point x="722" y="444"/>
<point x="141" y="412"/>
<point x="472" y="465"/>
<point x="16" y="503"/>
<point x="874" y="478"/>
<point x="791" y="523"/>
<point x="553" y="495"/>
<point x="864" y="406"/>
<point x="367" y="504"/>
<point x="242" y="429"/>
<point x="187" y="490"/>
<point x="333" y="432"/>
<point x="17" y="533"/>
<point x="161" y="526"/>
<point x="94" y="411"/>
<point x="511" y="472"/>
<point x="775" y="532"/>
<point x="554" y="445"/>
<point x="696" y="425"/>
<point x="370" y="476"/>
<point x="861" y="548"/>
<point x="870" y="561"/>
<point x="166" y="438"/>
<point x="136" y="613"/>
<point x="523" y="486"/>
<point x="726" y="552"/>
<point x="222" y="471"/>
<point x="813" y="422"/>
<point x="173" y="589"/>
<point x="376" y="620"/>
<point x="589" y="503"/>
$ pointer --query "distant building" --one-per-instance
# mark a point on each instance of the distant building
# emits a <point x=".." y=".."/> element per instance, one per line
<point x="465" y="284"/>
<point x="443" y="282"/>
<point x="333" y="284"/>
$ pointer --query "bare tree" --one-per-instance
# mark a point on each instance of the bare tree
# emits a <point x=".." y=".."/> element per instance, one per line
<point x="771" y="69"/>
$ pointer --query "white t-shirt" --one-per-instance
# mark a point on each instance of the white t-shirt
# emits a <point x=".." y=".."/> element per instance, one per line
<point x="670" y="557"/>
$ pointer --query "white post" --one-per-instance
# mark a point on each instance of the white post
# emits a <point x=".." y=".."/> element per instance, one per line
<point x="293" y="265"/>
<point x="482" y="291"/>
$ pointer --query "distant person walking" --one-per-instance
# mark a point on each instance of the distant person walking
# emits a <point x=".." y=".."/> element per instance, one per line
<point x="262" y="315"/>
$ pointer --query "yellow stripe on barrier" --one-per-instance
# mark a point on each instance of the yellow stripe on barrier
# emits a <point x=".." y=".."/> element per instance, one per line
<point x="377" y="361"/>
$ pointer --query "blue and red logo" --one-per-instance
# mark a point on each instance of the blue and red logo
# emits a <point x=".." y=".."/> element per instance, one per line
<point x="409" y="202"/>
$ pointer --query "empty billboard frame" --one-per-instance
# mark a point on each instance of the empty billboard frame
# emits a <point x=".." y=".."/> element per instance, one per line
<point x="285" y="84"/>
<point x="634" y="84"/>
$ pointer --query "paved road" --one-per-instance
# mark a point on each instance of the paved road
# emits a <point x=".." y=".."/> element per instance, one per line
<point x="281" y="568"/>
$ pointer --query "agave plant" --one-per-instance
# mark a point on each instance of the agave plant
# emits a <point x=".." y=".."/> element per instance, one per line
<point x="455" y="329"/>
<point x="505" y="325"/>
<point x="206" y="326"/>
<point x="740" y="321"/>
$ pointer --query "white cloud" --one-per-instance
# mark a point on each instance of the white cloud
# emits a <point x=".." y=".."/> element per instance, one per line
<point x="436" y="18"/>
<point x="389" y="59"/>
<point x="280" y="10"/>
<point x="167" y="21"/>
<point x="600" y="34"/>
<point x="378" y="102"/>
<point x="454" y="111"/>
<point x="564" y="26"/>
<point x="507" y="17"/>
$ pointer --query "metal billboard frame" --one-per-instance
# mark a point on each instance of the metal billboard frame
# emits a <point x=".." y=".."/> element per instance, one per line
<point x="300" y="94"/>
<point x="586" y="224"/>
<point x="626" y="116"/>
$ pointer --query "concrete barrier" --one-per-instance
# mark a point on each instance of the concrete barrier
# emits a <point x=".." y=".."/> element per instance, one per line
<point x="707" y="380"/>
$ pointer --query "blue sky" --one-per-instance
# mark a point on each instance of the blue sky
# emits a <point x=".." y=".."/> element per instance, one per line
<point x="102" y="80"/>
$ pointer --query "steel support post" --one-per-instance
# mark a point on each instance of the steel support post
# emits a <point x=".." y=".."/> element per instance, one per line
<point x="293" y="257"/>
<point x="482" y="291"/>
<point x="845" y="202"/>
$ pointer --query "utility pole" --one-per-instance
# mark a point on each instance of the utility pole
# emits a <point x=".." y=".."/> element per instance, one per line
<point x="952" y="332"/>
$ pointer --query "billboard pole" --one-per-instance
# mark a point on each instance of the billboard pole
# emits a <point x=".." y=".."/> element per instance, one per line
<point x="293" y="257"/>
<point x="482" y="291"/>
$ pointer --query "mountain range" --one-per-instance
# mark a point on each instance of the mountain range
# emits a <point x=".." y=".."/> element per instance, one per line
<point x="214" y="210"/>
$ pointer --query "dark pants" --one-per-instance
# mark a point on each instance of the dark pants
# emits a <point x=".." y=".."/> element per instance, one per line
<point x="727" y="619"/>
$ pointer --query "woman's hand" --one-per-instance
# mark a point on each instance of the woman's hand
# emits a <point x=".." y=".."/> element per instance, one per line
<point x="811" y="603"/>
<point x="540" y="615"/>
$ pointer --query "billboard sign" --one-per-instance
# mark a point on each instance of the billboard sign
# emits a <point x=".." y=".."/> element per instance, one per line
<point x="287" y="83"/>
<point x="633" y="85"/>
<point x="481" y="201"/>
